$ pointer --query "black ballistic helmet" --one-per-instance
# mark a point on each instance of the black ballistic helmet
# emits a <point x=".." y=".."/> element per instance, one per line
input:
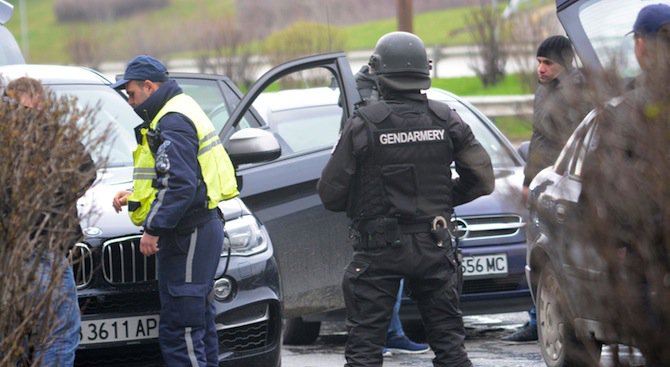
<point x="400" y="61"/>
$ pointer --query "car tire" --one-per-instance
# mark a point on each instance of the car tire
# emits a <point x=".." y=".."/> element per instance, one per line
<point x="300" y="332"/>
<point x="558" y="342"/>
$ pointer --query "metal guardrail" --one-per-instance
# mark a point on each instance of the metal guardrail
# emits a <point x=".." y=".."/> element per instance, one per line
<point x="503" y="106"/>
<point x="491" y="106"/>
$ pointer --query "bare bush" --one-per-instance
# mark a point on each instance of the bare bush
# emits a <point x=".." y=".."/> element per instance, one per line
<point x="227" y="50"/>
<point x="41" y="177"/>
<point x="160" y="40"/>
<point x="486" y="24"/>
<point x="528" y="27"/>
<point x="302" y="39"/>
<point x="86" y="50"/>
<point x="625" y="209"/>
<point x="102" y="10"/>
<point x="270" y="16"/>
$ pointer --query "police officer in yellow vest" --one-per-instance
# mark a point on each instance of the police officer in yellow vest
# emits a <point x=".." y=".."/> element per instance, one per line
<point x="181" y="174"/>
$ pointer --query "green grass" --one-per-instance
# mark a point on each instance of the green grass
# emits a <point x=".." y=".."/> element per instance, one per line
<point x="43" y="31"/>
<point x="48" y="40"/>
<point x="433" y="28"/>
<point x="516" y="129"/>
<point x="472" y="86"/>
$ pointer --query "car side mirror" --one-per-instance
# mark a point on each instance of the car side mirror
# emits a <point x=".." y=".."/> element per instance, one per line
<point x="523" y="150"/>
<point x="252" y="145"/>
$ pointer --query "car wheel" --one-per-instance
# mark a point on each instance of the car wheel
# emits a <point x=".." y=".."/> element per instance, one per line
<point x="559" y="345"/>
<point x="300" y="332"/>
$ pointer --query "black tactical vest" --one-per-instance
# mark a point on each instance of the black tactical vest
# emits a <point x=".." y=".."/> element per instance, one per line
<point x="405" y="173"/>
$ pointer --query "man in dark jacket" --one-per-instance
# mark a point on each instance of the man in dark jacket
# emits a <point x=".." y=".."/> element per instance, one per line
<point x="181" y="174"/>
<point x="559" y="106"/>
<point x="390" y="171"/>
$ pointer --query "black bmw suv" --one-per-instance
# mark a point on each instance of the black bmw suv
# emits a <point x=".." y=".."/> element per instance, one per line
<point x="116" y="284"/>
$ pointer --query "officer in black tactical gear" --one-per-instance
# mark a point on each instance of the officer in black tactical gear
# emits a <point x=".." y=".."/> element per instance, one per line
<point x="390" y="171"/>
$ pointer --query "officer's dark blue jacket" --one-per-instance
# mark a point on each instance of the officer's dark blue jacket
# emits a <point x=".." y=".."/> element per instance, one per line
<point x="181" y="201"/>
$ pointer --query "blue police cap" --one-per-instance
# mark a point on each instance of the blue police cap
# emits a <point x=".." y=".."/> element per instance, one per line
<point x="650" y="19"/>
<point x="143" y="67"/>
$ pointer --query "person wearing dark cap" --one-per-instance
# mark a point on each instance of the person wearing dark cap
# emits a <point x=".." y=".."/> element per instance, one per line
<point x="181" y="174"/>
<point x="559" y="106"/>
<point x="390" y="172"/>
<point x="625" y="188"/>
<point x="650" y="33"/>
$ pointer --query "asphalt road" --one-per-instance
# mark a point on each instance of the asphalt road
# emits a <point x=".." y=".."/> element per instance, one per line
<point x="482" y="344"/>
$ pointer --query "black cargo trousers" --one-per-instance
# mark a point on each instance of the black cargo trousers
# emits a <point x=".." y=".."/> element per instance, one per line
<point x="370" y="286"/>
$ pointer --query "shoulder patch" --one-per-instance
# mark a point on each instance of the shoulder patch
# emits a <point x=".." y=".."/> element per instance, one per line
<point x="441" y="110"/>
<point x="162" y="159"/>
<point x="375" y="112"/>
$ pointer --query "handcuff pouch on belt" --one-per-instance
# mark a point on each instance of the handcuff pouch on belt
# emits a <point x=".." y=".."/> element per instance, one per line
<point x="442" y="233"/>
<point x="439" y="231"/>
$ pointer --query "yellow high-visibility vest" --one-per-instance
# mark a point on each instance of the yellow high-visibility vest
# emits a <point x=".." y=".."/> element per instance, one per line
<point x="217" y="169"/>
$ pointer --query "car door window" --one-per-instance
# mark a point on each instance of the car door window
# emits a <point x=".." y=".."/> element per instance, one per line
<point x="606" y="33"/>
<point x="582" y="149"/>
<point x="566" y="157"/>
<point x="303" y="111"/>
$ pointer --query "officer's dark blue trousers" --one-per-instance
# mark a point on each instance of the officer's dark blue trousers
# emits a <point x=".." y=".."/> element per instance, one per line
<point x="370" y="286"/>
<point x="186" y="267"/>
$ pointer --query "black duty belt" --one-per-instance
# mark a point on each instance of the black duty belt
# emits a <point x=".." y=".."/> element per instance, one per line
<point x="385" y="232"/>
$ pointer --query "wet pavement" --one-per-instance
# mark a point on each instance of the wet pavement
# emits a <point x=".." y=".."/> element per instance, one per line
<point x="482" y="344"/>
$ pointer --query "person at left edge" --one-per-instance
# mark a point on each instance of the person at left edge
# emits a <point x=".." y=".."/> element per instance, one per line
<point x="64" y="335"/>
<point x="181" y="174"/>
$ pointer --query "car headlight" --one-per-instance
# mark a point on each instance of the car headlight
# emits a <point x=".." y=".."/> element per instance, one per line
<point x="223" y="289"/>
<point x="244" y="237"/>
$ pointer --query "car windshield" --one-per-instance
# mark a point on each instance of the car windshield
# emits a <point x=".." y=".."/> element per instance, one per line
<point x="500" y="154"/>
<point x="302" y="125"/>
<point x="606" y="26"/>
<point x="112" y="112"/>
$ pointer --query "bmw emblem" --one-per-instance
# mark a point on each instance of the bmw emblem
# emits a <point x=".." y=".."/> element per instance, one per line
<point x="92" y="231"/>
